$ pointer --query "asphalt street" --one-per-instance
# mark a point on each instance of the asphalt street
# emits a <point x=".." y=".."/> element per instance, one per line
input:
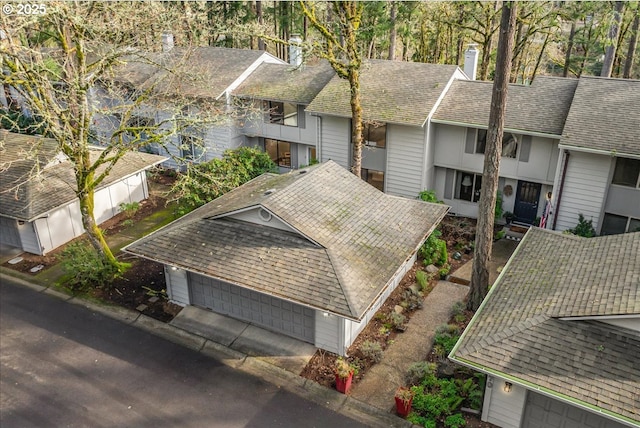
<point x="63" y="365"/>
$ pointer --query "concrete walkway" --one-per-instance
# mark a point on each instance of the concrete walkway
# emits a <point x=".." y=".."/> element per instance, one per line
<point x="378" y="387"/>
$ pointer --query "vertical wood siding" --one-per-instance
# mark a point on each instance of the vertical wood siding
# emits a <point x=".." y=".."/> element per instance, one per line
<point x="335" y="140"/>
<point x="177" y="285"/>
<point x="584" y="190"/>
<point x="327" y="332"/>
<point x="501" y="408"/>
<point x="405" y="159"/>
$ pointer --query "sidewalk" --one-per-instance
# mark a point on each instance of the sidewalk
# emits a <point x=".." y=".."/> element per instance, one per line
<point x="379" y="385"/>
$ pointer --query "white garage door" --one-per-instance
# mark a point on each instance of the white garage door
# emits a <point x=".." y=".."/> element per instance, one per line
<point x="545" y="412"/>
<point x="248" y="305"/>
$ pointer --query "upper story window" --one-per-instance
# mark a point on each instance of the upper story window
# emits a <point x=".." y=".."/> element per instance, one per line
<point x="510" y="142"/>
<point x="627" y="172"/>
<point x="374" y="134"/>
<point x="282" y="113"/>
<point x="613" y="224"/>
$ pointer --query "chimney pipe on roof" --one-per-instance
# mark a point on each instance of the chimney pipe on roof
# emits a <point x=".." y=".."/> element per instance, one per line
<point x="295" y="50"/>
<point x="167" y="42"/>
<point x="471" y="61"/>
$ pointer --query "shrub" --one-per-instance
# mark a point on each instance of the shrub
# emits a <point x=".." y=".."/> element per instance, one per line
<point x="446" y="336"/>
<point x="427" y="422"/>
<point x="85" y="269"/>
<point x="429" y="196"/>
<point x="371" y="350"/>
<point x="444" y="271"/>
<point x="397" y="320"/>
<point x="129" y="208"/>
<point x="421" y="279"/>
<point x="500" y="234"/>
<point x="418" y="372"/>
<point x="455" y="421"/>
<point x="206" y="181"/>
<point x="434" y="250"/>
<point x="584" y="228"/>
<point x="458" y="309"/>
<point x="498" y="208"/>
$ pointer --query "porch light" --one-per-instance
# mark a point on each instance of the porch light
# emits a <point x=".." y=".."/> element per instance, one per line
<point x="507" y="387"/>
<point x="466" y="181"/>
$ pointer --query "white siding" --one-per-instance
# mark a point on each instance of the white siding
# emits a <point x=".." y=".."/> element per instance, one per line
<point x="353" y="328"/>
<point x="58" y="228"/>
<point x="450" y="152"/>
<point x="405" y="160"/>
<point x="328" y="332"/>
<point x="541" y="166"/>
<point x="584" y="189"/>
<point x="253" y="216"/>
<point x="177" y="285"/>
<point x="501" y="408"/>
<point x="335" y="140"/>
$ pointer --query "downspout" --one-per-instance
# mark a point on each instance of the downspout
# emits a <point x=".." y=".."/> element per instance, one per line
<point x="564" y="174"/>
<point x="319" y="139"/>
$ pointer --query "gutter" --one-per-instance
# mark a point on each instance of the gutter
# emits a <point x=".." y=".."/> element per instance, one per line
<point x="612" y="153"/>
<point x="506" y="129"/>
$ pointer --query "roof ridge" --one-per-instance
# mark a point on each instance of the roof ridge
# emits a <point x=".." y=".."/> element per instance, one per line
<point x="340" y="278"/>
<point x="512" y="330"/>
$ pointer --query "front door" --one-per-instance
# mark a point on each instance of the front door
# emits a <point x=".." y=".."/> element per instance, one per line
<point x="527" y="197"/>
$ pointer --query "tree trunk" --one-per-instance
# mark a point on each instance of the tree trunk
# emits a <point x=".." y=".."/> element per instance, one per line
<point x="392" y="31"/>
<point x="260" y="22"/>
<point x="612" y="41"/>
<point x="633" y="43"/>
<point x="86" y="195"/>
<point x="356" y="124"/>
<point x="567" y="54"/>
<point x="486" y="208"/>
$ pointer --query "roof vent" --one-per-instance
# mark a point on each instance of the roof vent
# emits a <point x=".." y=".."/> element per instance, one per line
<point x="268" y="192"/>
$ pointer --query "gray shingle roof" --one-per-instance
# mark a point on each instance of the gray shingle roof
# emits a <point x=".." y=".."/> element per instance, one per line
<point x="351" y="238"/>
<point x="199" y="72"/>
<point x="605" y="115"/>
<point x="35" y="179"/>
<point x="282" y="82"/>
<point x="392" y="91"/>
<point x="539" y="107"/>
<point x="518" y="331"/>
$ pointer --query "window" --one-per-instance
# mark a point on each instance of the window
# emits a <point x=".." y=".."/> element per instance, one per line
<point x="278" y="151"/>
<point x="373" y="177"/>
<point x="374" y="135"/>
<point x="481" y="140"/>
<point x="627" y="172"/>
<point x="613" y="224"/>
<point x="468" y="186"/>
<point x="509" y="143"/>
<point x="282" y="113"/>
<point x="191" y="148"/>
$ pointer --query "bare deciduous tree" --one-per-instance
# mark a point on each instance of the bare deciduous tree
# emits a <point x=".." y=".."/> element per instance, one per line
<point x="57" y="60"/>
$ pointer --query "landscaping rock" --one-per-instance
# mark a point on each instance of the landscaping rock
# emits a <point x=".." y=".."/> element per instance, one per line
<point x="398" y="309"/>
<point x="432" y="269"/>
